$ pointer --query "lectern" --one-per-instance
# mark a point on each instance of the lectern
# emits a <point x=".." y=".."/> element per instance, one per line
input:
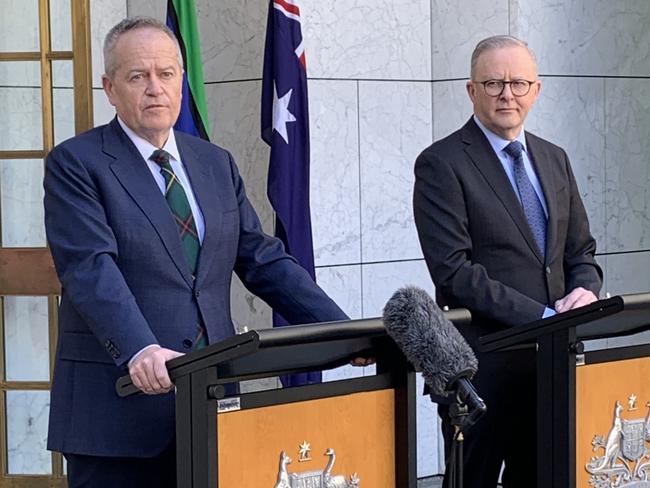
<point x="593" y="408"/>
<point x="357" y="432"/>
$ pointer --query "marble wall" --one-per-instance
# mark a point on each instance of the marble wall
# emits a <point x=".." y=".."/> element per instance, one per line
<point x="385" y="80"/>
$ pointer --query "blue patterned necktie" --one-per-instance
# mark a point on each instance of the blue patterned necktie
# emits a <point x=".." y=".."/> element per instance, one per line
<point x="529" y="199"/>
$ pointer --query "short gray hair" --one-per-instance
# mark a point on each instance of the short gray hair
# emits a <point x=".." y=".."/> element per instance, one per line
<point x="498" y="42"/>
<point x="130" y="24"/>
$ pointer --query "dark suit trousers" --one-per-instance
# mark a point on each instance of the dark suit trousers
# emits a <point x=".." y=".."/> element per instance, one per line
<point x="507" y="432"/>
<point x="113" y="472"/>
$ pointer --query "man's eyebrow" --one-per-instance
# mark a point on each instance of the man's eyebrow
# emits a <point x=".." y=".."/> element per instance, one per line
<point x="136" y="70"/>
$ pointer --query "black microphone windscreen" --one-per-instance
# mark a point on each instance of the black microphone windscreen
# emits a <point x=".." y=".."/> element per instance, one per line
<point x="428" y="339"/>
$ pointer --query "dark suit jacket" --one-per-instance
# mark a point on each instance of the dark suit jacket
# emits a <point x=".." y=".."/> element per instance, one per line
<point x="126" y="284"/>
<point x="476" y="241"/>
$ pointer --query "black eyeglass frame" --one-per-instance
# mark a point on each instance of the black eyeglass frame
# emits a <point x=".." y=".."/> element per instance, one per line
<point x="503" y="86"/>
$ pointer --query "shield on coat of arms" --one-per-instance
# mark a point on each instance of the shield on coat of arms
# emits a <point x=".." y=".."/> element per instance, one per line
<point x="633" y="441"/>
<point x="310" y="479"/>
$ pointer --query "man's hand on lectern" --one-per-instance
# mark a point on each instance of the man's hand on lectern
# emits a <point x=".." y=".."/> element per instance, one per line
<point x="362" y="361"/>
<point x="579" y="297"/>
<point x="149" y="372"/>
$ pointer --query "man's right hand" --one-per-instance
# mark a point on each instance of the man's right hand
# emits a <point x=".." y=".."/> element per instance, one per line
<point x="148" y="371"/>
<point x="579" y="297"/>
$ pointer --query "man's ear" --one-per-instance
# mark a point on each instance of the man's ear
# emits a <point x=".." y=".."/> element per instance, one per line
<point x="471" y="90"/>
<point x="107" y="84"/>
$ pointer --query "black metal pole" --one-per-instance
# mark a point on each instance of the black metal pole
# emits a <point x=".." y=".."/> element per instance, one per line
<point x="459" y="458"/>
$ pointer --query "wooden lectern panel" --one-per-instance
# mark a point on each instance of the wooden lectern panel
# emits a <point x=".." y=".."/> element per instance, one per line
<point x="612" y="401"/>
<point x="359" y="427"/>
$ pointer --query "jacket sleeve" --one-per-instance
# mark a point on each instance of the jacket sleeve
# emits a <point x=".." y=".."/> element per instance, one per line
<point x="580" y="266"/>
<point x="84" y="250"/>
<point x="268" y="271"/>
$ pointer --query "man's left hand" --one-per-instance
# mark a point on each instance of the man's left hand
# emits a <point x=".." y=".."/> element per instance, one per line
<point x="579" y="297"/>
<point x="362" y="361"/>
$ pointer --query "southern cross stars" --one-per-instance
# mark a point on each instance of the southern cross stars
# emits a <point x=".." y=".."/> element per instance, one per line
<point x="281" y="114"/>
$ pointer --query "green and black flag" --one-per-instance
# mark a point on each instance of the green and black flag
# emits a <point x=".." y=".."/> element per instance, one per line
<point x="181" y="19"/>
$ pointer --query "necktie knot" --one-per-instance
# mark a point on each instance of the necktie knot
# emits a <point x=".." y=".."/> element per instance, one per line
<point x="160" y="157"/>
<point x="514" y="150"/>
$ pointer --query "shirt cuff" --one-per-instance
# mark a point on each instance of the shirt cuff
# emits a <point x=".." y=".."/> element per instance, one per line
<point x="548" y="312"/>
<point x="133" y="358"/>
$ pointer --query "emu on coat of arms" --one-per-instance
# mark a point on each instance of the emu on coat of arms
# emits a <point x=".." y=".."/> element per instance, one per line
<point x="626" y="460"/>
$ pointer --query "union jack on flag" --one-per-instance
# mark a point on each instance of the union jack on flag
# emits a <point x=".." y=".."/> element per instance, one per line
<point x="285" y="127"/>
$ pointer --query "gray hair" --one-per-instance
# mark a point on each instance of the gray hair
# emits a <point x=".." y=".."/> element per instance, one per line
<point x="130" y="24"/>
<point x="498" y="42"/>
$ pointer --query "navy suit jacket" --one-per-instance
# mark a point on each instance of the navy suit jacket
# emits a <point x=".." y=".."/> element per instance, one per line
<point x="126" y="284"/>
<point x="476" y="240"/>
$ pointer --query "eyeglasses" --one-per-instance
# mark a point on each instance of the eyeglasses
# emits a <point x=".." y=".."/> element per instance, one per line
<point x="494" y="88"/>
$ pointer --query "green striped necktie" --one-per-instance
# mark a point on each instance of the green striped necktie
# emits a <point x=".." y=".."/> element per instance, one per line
<point x="180" y="208"/>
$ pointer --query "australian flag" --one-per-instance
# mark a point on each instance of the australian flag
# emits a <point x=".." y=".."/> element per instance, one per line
<point x="285" y="127"/>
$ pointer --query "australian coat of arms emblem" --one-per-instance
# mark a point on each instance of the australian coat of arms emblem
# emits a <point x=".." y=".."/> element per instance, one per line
<point x="625" y="461"/>
<point x="313" y="479"/>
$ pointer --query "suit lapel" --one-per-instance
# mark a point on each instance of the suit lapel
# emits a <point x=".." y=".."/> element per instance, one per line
<point x="480" y="151"/>
<point x="541" y="160"/>
<point x="134" y="175"/>
<point x="206" y="192"/>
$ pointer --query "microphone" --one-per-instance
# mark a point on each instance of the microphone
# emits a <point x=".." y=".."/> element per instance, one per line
<point x="434" y="346"/>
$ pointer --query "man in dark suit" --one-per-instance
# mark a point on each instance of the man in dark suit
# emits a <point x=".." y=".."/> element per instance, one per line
<point x="145" y="243"/>
<point x="504" y="234"/>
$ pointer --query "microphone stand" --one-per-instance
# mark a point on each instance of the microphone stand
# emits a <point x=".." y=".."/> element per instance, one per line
<point x="458" y="413"/>
<point x="464" y="411"/>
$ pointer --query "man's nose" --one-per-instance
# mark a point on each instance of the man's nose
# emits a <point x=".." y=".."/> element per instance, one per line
<point x="154" y="86"/>
<point x="507" y="91"/>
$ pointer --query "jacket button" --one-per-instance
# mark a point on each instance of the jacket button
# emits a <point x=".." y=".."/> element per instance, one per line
<point x="187" y="344"/>
<point x="548" y="270"/>
<point x="197" y="293"/>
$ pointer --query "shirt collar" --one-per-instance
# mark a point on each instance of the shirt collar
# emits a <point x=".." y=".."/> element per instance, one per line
<point x="498" y="143"/>
<point x="145" y="148"/>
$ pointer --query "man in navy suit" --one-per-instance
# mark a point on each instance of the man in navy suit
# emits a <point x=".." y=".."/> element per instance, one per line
<point x="504" y="234"/>
<point x="132" y="298"/>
